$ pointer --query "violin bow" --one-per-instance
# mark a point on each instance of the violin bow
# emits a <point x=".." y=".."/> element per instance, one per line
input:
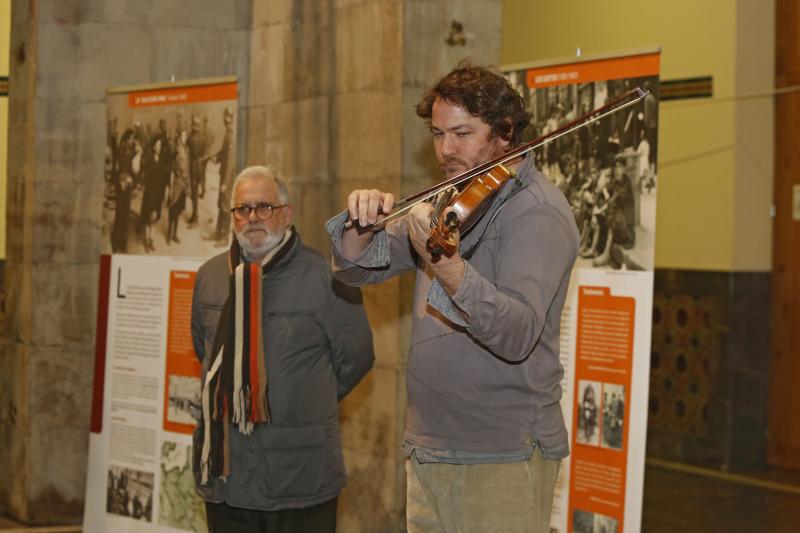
<point x="618" y="104"/>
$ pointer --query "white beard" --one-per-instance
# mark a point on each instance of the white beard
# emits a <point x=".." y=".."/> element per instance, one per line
<point x="256" y="246"/>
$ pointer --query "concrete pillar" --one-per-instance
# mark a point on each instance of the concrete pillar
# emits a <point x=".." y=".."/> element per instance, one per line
<point x="327" y="95"/>
<point x="334" y="85"/>
<point x="65" y="54"/>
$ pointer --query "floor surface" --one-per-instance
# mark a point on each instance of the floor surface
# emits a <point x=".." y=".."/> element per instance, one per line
<point x="691" y="500"/>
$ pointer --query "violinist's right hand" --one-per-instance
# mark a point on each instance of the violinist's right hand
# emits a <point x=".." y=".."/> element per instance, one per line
<point x="368" y="207"/>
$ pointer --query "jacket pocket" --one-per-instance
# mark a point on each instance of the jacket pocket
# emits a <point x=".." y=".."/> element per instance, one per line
<point x="294" y="460"/>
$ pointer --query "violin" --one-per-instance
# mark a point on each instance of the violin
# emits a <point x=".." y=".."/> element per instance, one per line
<point x="478" y="186"/>
<point x="465" y="210"/>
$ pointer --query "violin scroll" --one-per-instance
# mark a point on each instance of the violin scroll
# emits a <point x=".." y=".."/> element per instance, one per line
<point x="442" y="240"/>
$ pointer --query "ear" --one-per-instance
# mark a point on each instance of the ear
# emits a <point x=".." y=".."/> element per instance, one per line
<point x="288" y="215"/>
<point x="505" y="142"/>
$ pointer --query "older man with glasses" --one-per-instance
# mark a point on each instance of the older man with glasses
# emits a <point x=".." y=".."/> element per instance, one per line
<point x="280" y="343"/>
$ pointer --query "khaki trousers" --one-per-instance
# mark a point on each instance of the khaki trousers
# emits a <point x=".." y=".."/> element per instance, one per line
<point x="481" y="498"/>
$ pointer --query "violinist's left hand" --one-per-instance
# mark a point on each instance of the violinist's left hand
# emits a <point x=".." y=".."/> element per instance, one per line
<point x="449" y="270"/>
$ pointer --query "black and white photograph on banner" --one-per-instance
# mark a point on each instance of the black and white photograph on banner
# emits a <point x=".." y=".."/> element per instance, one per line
<point x="613" y="415"/>
<point x="582" y="521"/>
<point x="167" y="172"/>
<point x="605" y="524"/>
<point x="183" y="399"/>
<point x="130" y="493"/>
<point x="607" y="169"/>
<point x="586" y="522"/>
<point x="589" y="413"/>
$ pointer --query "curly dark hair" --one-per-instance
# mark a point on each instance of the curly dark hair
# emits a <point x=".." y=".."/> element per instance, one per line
<point x="483" y="94"/>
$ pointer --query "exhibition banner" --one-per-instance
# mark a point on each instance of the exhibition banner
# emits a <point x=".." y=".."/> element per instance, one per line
<point x="170" y="161"/>
<point x="146" y="398"/>
<point x="169" y="171"/>
<point x="607" y="170"/>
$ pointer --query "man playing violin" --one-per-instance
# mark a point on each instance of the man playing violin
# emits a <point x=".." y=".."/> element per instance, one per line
<point x="484" y="431"/>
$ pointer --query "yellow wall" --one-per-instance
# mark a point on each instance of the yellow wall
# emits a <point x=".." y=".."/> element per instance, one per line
<point x="5" y="36"/>
<point x="715" y="156"/>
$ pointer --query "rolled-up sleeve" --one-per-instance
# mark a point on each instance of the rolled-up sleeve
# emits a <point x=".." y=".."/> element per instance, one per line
<point x="388" y="255"/>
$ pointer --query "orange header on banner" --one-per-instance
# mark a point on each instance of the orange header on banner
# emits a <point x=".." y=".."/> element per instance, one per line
<point x="588" y="71"/>
<point x="182" y="95"/>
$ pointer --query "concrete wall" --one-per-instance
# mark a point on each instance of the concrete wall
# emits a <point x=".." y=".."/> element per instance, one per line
<point x="333" y="89"/>
<point x="325" y="112"/>
<point x="65" y="54"/>
<point x="5" y="39"/>
<point x="327" y="95"/>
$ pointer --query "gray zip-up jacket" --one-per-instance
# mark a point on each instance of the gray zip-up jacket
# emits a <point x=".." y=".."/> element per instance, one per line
<point x="317" y="345"/>
<point x="484" y="375"/>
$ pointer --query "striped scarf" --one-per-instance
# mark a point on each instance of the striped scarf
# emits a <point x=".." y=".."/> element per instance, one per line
<point x="235" y="387"/>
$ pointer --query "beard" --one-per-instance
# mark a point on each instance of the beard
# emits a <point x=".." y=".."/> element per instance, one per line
<point x="452" y="166"/>
<point x="257" y="241"/>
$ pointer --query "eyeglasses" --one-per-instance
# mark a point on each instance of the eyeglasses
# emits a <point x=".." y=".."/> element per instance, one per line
<point x="263" y="210"/>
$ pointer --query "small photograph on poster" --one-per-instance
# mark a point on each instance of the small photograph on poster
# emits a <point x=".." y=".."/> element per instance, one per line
<point x="613" y="415"/>
<point x="184" y="399"/>
<point x="589" y="413"/>
<point x="604" y="524"/>
<point x="179" y="506"/>
<point x="582" y="521"/>
<point x="130" y="493"/>
<point x="607" y="169"/>
<point x="586" y="522"/>
<point x="169" y="169"/>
